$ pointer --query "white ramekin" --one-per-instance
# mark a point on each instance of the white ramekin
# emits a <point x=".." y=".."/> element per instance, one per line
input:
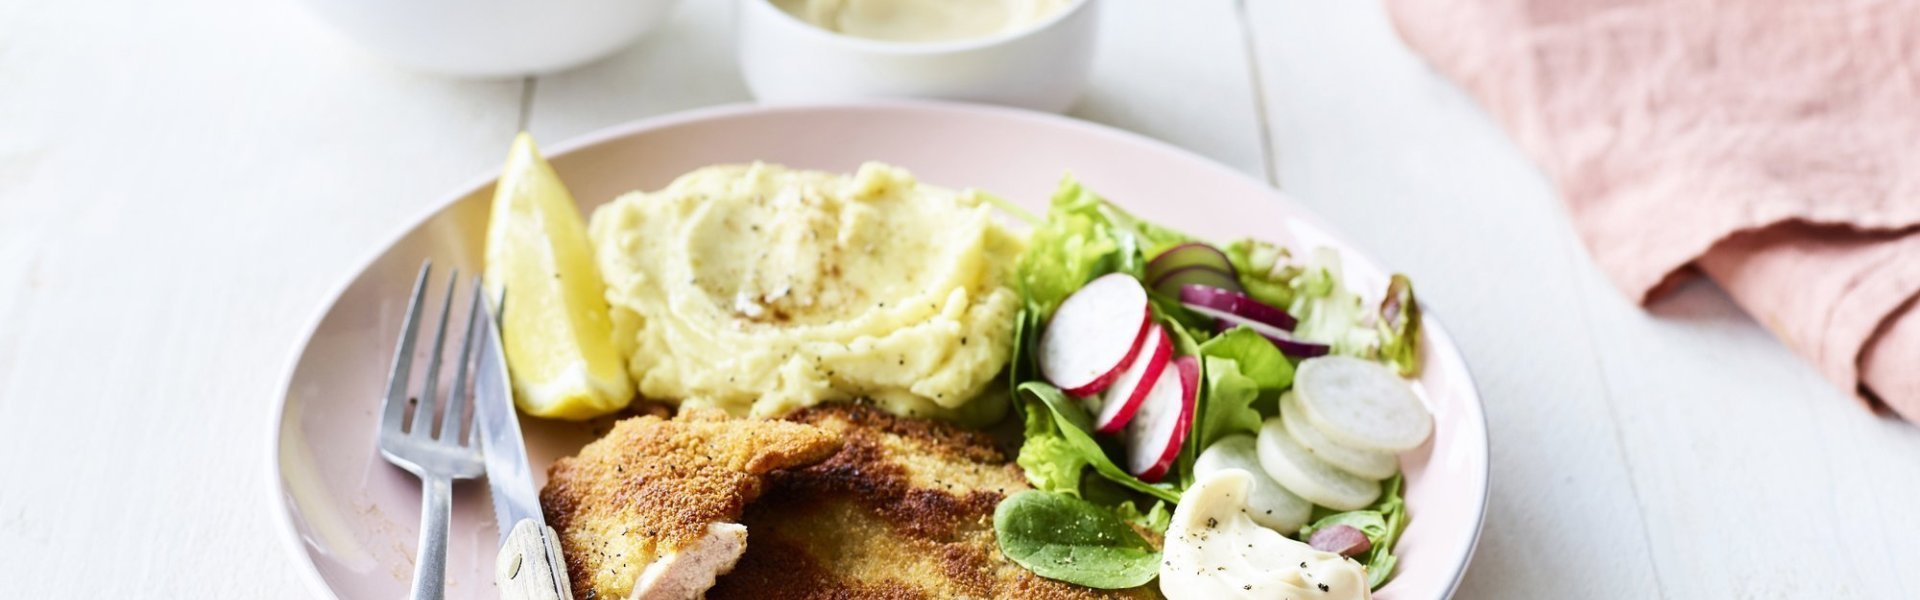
<point x="492" y="38"/>
<point x="1042" y="67"/>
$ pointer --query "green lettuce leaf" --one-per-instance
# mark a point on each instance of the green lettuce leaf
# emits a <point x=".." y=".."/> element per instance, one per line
<point x="1084" y="237"/>
<point x="1314" y="292"/>
<point x="1399" y="326"/>
<point x="1062" y="255"/>
<point x="1265" y="270"/>
<point x="1382" y="523"/>
<point x="1051" y="461"/>
<point x="1229" y="407"/>
<point x="1241" y="372"/>
<point x="1330" y="313"/>
<point x="1256" y="357"/>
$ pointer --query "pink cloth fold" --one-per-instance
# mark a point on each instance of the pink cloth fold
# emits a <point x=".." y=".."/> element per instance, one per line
<point x="1772" y="145"/>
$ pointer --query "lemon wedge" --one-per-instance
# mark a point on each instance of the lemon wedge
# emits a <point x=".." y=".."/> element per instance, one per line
<point x="555" y="326"/>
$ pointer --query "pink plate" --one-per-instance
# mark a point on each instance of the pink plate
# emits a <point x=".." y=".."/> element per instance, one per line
<point x="352" y="518"/>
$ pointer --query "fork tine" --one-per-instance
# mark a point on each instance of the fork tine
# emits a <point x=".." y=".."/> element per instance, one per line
<point x="457" y="401"/>
<point x="423" y="414"/>
<point x="394" y="407"/>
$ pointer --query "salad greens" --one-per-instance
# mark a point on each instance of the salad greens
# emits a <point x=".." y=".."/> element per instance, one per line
<point x="1382" y="523"/>
<point x="1399" y="326"/>
<point x="1083" y="237"/>
<point x="1079" y="524"/>
<point x="1062" y="537"/>
<point x="1329" y="312"/>
<point x="1064" y="446"/>
<point x="1261" y="271"/>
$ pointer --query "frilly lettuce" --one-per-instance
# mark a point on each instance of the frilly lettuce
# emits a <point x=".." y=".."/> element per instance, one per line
<point x="1084" y="237"/>
<point x="1313" y="291"/>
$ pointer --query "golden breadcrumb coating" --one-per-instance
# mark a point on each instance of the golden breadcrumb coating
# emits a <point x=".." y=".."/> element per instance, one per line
<point x="652" y="486"/>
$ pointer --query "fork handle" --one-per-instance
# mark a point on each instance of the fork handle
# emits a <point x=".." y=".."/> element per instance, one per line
<point x="430" y="561"/>
<point x="529" y="566"/>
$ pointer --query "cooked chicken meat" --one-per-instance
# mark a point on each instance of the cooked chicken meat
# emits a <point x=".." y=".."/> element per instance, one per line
<point x="649" y="511"/>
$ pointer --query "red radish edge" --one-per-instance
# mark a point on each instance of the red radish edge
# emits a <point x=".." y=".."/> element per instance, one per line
<point x="1121" y="400"/>
<point x="1281" y="339"/>
<point x="1188" y="370"/>
<point x="1087" y="364"/>
<point x="1198" y="297"/>
<point x="1344" y="540"/>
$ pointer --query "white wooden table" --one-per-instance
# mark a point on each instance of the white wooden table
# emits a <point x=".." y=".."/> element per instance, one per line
<point x="182" y="182"/>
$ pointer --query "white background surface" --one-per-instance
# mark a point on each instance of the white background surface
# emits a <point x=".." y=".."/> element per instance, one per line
<point x="181" y="183"/>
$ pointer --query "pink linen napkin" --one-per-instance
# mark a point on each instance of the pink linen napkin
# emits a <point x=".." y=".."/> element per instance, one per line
<point x="1773" y="145"/>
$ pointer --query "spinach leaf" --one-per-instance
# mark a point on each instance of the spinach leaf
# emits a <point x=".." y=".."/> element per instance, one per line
<point x="1051" y="458"/>
<point x="1020" y="365"/>
<point x="1065" y="538"/>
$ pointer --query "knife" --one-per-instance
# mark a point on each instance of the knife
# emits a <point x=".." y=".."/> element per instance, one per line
<point x="529" y="566"/>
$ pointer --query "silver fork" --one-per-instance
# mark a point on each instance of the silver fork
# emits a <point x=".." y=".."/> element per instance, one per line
<point x="412" y="444"/>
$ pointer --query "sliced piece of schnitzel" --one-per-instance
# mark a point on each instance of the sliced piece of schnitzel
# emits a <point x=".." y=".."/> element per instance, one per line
<point x="904" y="510"/>
<point x="648" y="511"/>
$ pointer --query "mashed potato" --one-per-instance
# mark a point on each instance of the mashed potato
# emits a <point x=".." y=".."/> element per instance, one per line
<point x="759" y="289"/>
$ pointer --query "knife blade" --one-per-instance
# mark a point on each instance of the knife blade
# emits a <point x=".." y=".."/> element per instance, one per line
<point x="529" y="565"/>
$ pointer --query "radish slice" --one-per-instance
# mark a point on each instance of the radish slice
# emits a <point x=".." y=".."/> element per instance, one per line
<point x="1270" y="504"/>
<point x="1159" y="427"/>
<point x="1119" y="402"/>
<point x="1169" y="283"/>
<point x="1344" y="540"/>
<point x="1287" y="462"/>
<point x="1361" y="404"/>
<point x="1094" y="334"/>
<point x="1371" y="464"/>
<point x="1190" y="254"/>
<point x="1212" y="301"/>
<point x="1283" y="340"/>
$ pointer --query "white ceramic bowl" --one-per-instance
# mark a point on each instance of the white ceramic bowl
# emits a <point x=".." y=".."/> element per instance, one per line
<point x="492" y="38"/>
<point x="1041" y="67"/>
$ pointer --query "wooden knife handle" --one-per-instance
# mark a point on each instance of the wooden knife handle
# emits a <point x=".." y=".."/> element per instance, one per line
<point x="530" y="566"/>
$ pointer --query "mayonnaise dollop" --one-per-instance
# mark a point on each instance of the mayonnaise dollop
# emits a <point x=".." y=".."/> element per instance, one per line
<point x="1214" y="551"/>
<point x="922" y="20"/>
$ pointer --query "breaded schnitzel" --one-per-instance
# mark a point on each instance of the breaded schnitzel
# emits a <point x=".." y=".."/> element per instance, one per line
<point x="903" y="510"/>
<point x="648" y="510"/>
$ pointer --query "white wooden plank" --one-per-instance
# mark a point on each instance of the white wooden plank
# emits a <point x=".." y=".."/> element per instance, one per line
<point x="1398" y="157"/>
<point x="1758" y="478"/>
<point x="181" y="184"/>
<point x="1198" y="97"/>
<point x="1177" y="72"/>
